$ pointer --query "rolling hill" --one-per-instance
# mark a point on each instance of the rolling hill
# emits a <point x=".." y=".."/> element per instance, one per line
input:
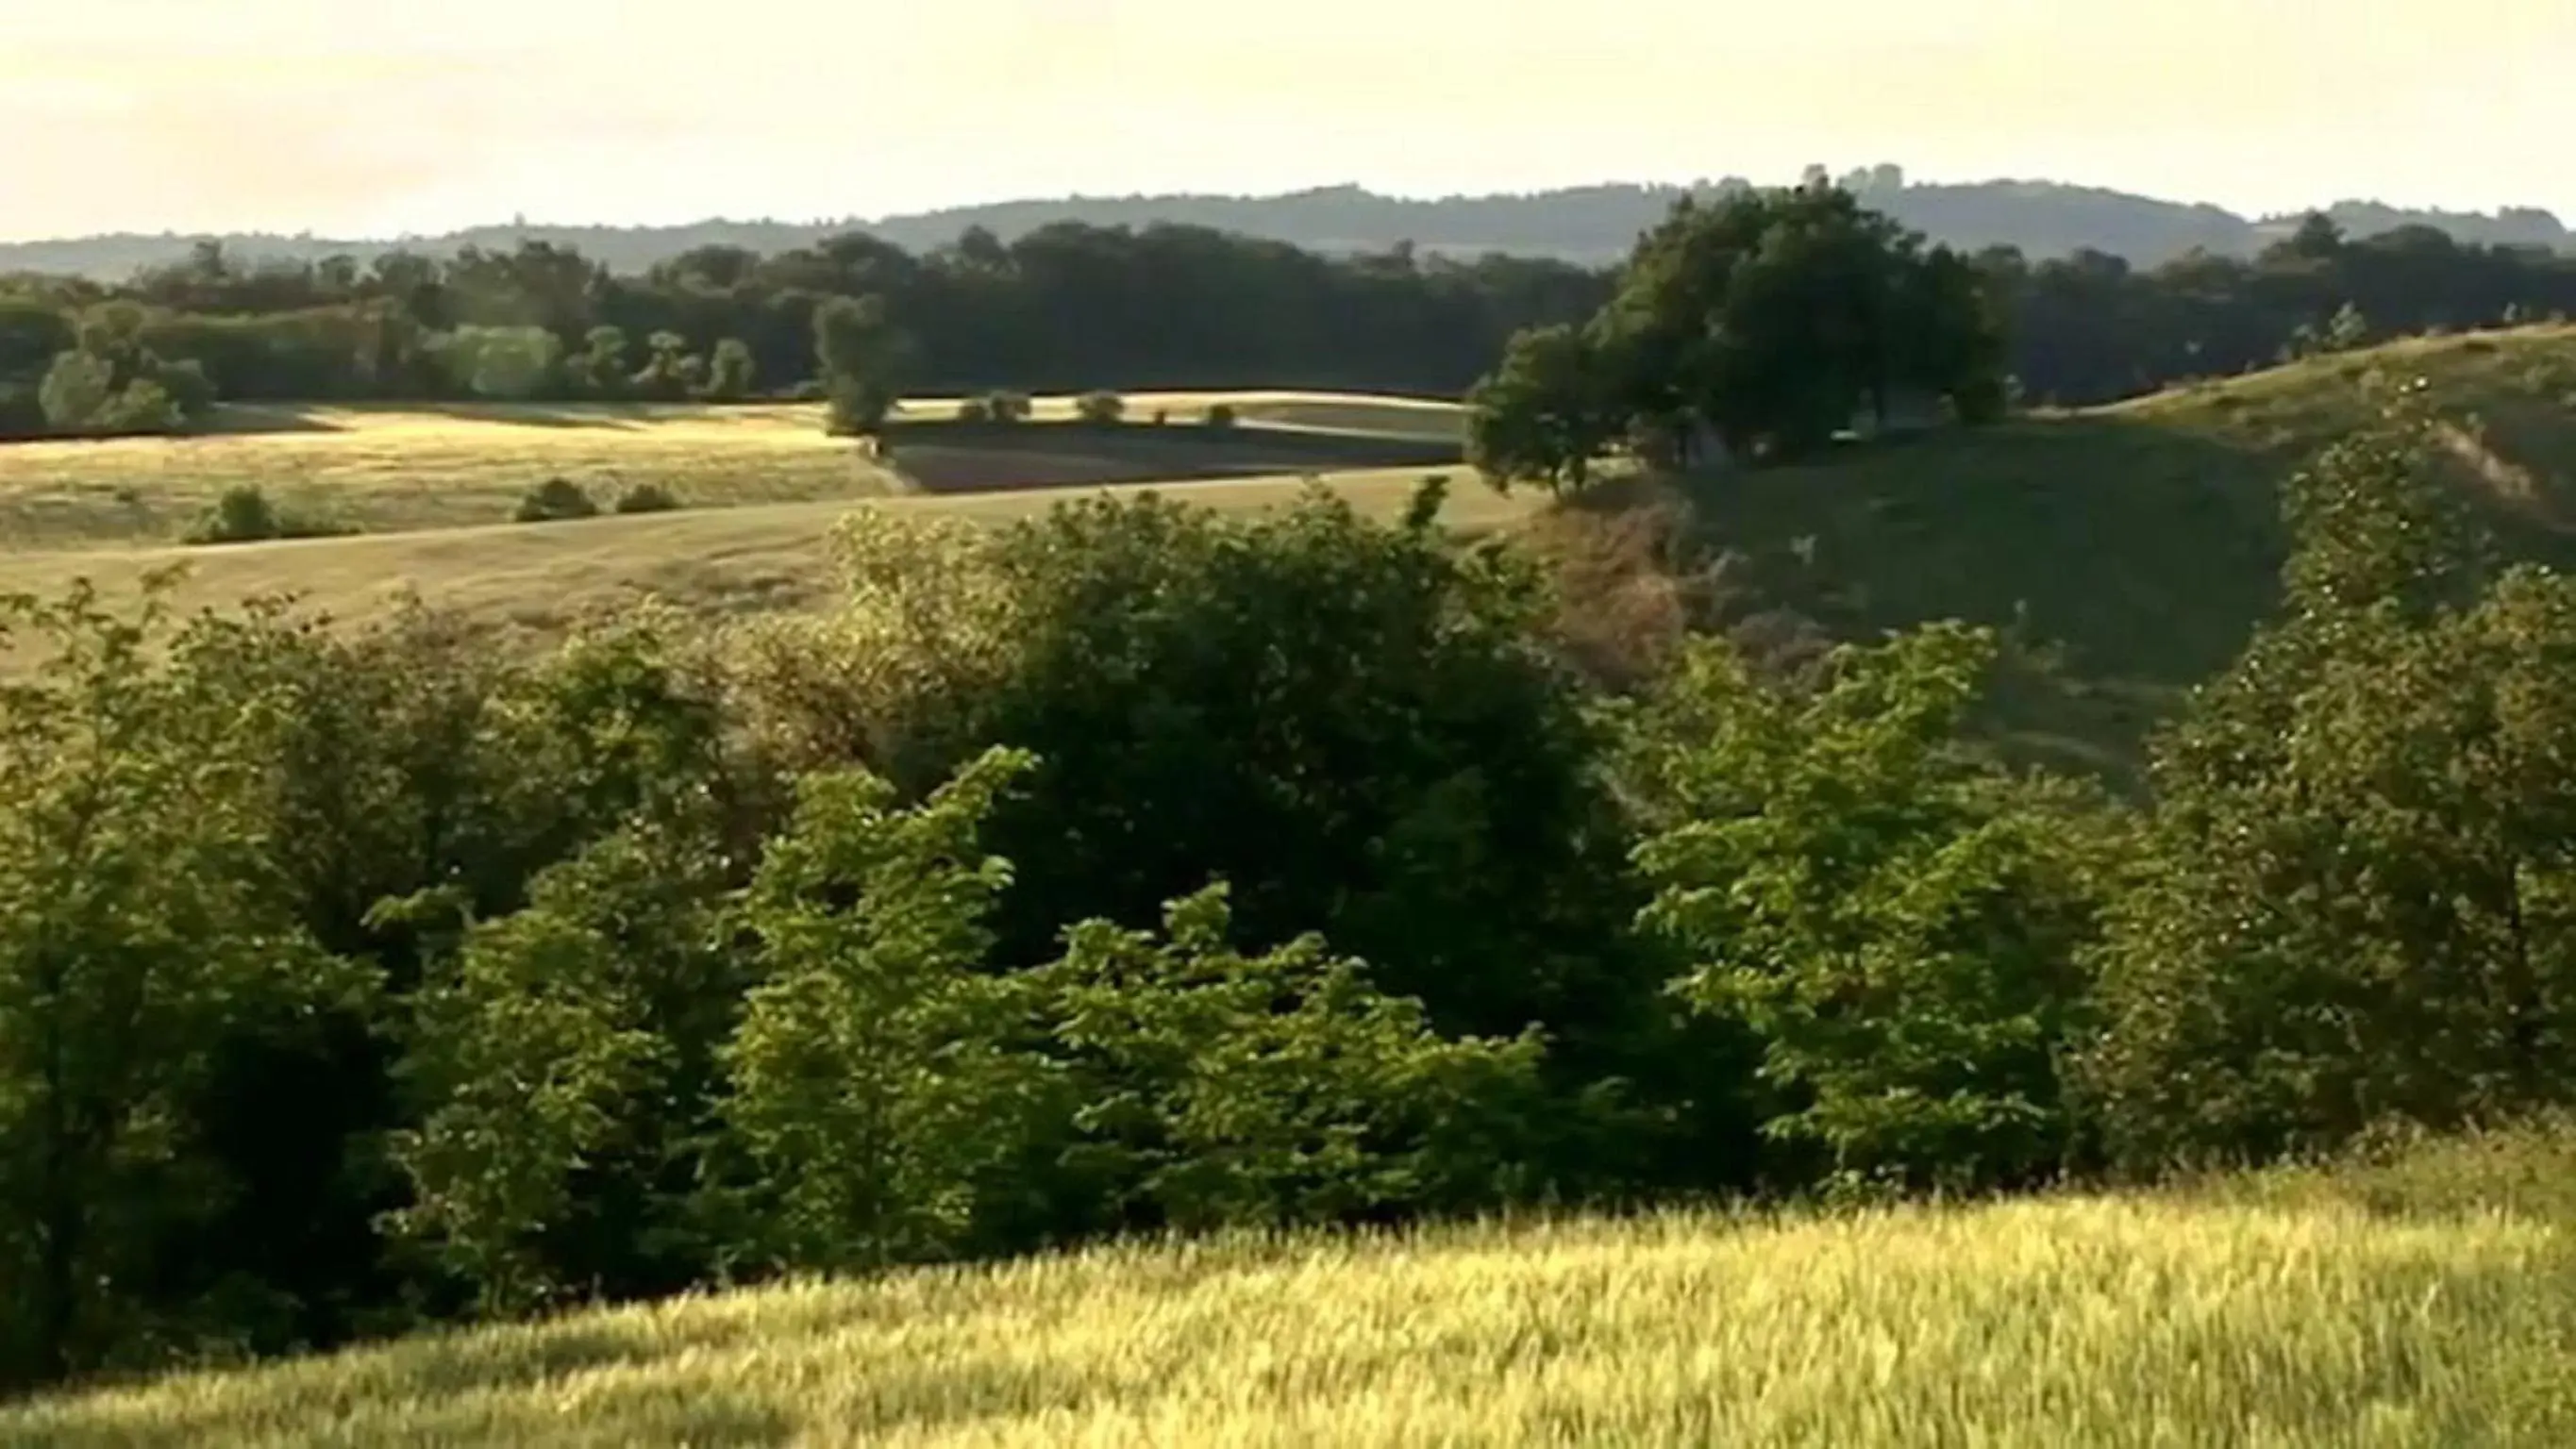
<point x="2138" y="544"/>
<point x="2423" y="1298"/>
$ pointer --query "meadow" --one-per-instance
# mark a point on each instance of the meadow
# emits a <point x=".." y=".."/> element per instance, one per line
<point x="2425" y="1296"/>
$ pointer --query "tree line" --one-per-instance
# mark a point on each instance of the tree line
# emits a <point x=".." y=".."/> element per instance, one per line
<point x="1138" y="868"/>
<point x="1070" y="307"/>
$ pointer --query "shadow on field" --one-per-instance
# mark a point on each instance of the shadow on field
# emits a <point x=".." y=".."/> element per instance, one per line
<point x="947" y="457"/>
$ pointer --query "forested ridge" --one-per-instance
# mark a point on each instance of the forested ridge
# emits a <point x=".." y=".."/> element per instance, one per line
<point x="1592" y="224"/>
<point x="1071" y="307"/>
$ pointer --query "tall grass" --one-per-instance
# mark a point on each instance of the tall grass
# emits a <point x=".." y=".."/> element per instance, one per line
<point x="2425" y="1299"/>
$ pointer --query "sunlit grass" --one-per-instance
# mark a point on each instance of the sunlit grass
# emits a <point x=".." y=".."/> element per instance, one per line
<point x="2289" y="1310"/>
<point x="538" y="580"/>
<point x="382" y="468"/>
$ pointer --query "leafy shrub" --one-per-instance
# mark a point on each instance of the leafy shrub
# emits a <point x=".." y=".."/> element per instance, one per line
<point x="244" y="515"/>
<point x="646" y="498"/>
<point x="1100" y="407"/>
<point x="1221" y="415"/>
<point x="1006" y="406"/>
<point x="555" y="500"/>
<point x="1162" y="416"/>
<point x="975" y="410"/>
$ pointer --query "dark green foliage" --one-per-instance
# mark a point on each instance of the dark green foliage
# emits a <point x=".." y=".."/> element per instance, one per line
<point x="145" y="934"/>
<point x="555" y="500"/>
<point x="1099" y="408"/>
<point x="1007" y="406"/>
<point x="1775" y="319"/>
<point x="1142" y="867"/>
<point x="1179" y="1050"/>
<point x="1897" y="922"/>
<point x="1545" y="414"/>
<point x="243" y="514"/>
<point x="646" y="498"/>
<point x="733" y="373"/>
<point x="873" y="1084"/>
<point x="2355" y="904"/>
<point x="866" y="361"/>
<point x="1220" y="415"/>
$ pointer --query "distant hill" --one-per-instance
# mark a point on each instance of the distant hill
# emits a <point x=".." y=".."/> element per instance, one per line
<point x="1588" y="224"/>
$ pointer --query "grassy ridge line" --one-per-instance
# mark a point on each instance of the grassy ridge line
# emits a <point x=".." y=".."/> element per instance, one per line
<point x="543" y="577"/>
<point x="2429" y="1302"/>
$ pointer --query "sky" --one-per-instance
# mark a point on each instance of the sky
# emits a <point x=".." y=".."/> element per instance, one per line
<point x="360" y="118"/>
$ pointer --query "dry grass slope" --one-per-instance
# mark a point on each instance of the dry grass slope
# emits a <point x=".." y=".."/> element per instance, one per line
<point x="539" y="579"/>
<point x="390" y="468"/>
<point x="2430" y="1301"/>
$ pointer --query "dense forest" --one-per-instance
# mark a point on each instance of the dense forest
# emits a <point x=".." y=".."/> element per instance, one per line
<point x="1071" y="306"/>
<point x="1587" y="224"/>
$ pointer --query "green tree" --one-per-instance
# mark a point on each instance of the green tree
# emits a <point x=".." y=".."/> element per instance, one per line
<point x="671" y="372"/>
<point x="143" y="937"/>
<point x="563" y="1062"/>
<point x="2358" y="901"/>
<point x="1099" y="408"/>
<point x="1775" y="317"/>
<point x="873" y="1081"/>
<point x="1545" y="414"/>
<point x="1897" y="923"/>
<point x="77" y="391"/>
<point x="734" y="373"/>
<point x="865" y="360"/>
<point x="600" y="368"/>
<point x="1221" y="1088"/>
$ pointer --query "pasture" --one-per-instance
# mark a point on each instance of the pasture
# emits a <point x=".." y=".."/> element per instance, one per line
<point x="2426" y="1299"/>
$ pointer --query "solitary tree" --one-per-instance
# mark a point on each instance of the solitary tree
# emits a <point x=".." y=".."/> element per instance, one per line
<point x="864" y="357"/>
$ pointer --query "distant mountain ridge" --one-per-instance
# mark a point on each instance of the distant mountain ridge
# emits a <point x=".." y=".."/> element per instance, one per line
<point x="1587" y="224"/>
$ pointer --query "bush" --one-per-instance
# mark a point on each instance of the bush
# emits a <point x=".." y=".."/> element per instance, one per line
<point x="1100" y="407"/>
<point x="646" y="498"/>
<point x="1162" y="416"/>
<point x="1007" y="407"/>
<point x="1221" y="415"/>
<point x="244" y="515"/>
<point x="554" y="500"/>
<point x="975" y="410"/>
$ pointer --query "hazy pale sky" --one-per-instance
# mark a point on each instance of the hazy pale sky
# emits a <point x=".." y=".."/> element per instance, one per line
<point x="353" y="118"/>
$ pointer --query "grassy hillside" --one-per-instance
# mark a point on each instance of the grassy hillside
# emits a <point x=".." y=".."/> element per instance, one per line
<point x="543" y="577"/>
<point x="2142" y="539"/>
<point x="391" y="468"/>
<point x="2427" y="1300"/>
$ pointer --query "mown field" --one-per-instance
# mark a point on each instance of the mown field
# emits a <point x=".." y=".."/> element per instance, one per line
<point x="399" y="468"/>
<point x="2427" y="1298"/>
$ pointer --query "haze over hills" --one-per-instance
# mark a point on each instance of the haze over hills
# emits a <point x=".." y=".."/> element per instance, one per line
<point x="1592" y="224"/>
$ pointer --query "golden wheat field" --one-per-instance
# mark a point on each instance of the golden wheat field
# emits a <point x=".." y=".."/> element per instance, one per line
<point x="404" y="467"/>
<point x="543" y="578"/>
<point x="418" y="466"/>
<point x="2432" y="1304"/>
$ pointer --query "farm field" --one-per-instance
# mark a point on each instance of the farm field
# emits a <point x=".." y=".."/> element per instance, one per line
<point x="396" y="468"/>
<point x="538" y="579"/>
<point x="2427" y="1299"/>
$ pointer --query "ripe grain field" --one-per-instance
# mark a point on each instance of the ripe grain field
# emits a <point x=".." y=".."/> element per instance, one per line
<point x="2429" y="1300"/>
<point x="408" y="467"/>
<point x="540" y="579"/>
